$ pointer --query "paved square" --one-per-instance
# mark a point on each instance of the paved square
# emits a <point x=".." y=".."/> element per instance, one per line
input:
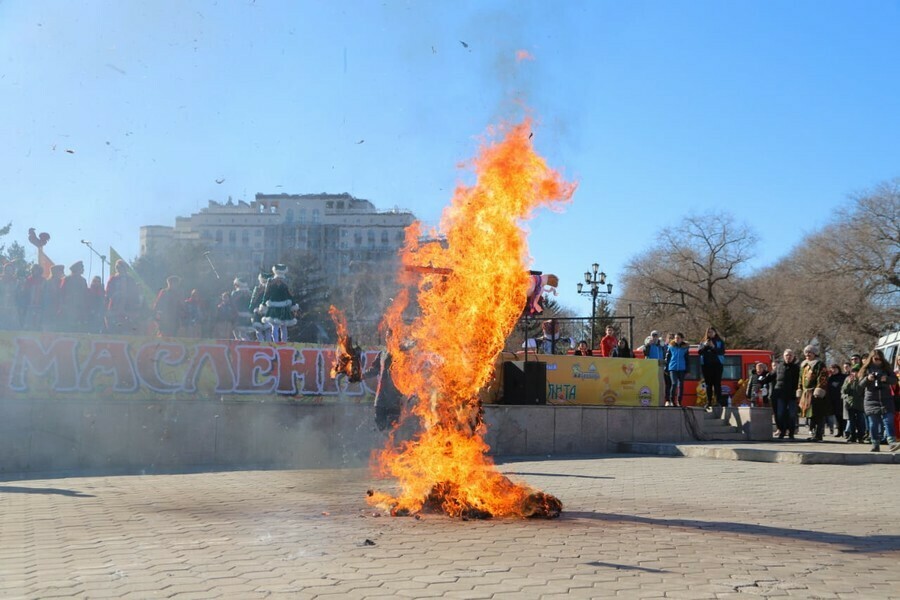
<point x="632" y="527"/>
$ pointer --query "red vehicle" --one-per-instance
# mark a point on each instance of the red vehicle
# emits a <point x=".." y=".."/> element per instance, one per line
<point x="737" y="368"/>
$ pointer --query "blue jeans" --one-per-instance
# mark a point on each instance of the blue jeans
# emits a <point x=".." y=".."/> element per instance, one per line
<point x="878" y="425"/>
<point x="887" y="420"/>
<point x="785" y="411"/>
<point x="677" y="387"/>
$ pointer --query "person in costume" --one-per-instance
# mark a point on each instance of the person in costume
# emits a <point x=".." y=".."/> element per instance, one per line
<point x="53" y="299"/>
<point x="122" y="301"/>
<point x="278" y="303"/>
<point x="73" y="299"/>
<point x="167" y="308"/>
<point x="263" y="330"/>
<point x="240" y="300"/>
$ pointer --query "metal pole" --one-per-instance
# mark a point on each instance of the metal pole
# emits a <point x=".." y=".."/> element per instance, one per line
<point x="593" y="313"/>
<point x="630" y="327"/>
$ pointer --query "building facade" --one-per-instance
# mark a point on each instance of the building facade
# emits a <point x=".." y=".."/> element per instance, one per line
<point x="340" y="231"/>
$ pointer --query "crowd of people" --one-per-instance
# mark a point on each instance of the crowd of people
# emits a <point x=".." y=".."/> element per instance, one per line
<point x="672" y="356"/>
<point x="858" y="400"/>
<point x="34" y="300"/>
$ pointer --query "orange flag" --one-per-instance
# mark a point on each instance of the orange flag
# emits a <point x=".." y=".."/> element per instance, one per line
<point x="45" y="262"/>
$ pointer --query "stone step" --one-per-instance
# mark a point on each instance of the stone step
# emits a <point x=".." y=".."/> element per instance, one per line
<point x="720" y="429"/>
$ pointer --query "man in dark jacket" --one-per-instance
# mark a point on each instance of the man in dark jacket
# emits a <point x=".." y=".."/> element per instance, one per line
<point x="787" y="376"/>
<point x="833" y="394"/>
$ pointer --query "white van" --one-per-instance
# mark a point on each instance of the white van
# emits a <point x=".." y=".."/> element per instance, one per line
<point x="890" y="345"/>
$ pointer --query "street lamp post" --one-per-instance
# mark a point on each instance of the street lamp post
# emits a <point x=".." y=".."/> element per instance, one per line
<point x="597" y="281"/>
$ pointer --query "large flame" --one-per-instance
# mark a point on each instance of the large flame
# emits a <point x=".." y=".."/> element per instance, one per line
<point x="470" y="286"/>
<point x="346" y="355"/>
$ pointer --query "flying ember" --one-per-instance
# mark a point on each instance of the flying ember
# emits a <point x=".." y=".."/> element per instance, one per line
<point x="469" y="285"/>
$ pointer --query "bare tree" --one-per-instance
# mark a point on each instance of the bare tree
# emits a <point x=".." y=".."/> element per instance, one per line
<point x="693" y="278"/>
<point x="863" y="243"/>
<point x="840" y="286"/>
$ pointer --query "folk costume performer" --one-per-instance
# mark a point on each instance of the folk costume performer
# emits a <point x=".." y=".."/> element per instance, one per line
<point x="278" y="304"/>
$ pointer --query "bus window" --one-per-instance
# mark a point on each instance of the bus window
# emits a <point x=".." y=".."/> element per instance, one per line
<point x="732" y="368"/>
<point x="693" y="368"/>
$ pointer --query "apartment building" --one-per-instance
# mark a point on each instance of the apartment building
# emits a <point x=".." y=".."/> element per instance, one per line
<point x="339" y="230"/>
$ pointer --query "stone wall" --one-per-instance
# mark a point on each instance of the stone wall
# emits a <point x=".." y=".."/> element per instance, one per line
<point x="84" y="435"/>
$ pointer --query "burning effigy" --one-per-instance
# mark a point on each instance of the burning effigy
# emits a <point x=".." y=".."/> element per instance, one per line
<point x="347" y="357"/>
<point x="469" y="281"/>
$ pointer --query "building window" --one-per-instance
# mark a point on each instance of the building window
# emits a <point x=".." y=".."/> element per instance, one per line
<point x="289" y="216"/>
<point x="218" y="236"/>
<point x="329" y="204"/>
<point x="232" y="237"/>
<point x="315" y="215"/>
<point x="245" y="237"/>
<point x="384" y="238"/>
<point x="357" y="238"/>
<point x="371" y="237"/>
<point x="340" y="204"/>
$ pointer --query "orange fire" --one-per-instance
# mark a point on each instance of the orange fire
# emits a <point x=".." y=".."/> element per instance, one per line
<point x="469" y="289"/>
<point x="346" y="355"/>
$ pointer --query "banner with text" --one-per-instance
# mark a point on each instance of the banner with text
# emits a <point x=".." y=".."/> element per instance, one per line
<point x="606" y="381"/>
<point x="41" y="365"/>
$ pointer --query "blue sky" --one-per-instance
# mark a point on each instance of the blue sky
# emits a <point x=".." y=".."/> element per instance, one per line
<point x="774" y="111"/>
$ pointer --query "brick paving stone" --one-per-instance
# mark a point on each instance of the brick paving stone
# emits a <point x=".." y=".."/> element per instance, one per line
<point x="633" y="527"/>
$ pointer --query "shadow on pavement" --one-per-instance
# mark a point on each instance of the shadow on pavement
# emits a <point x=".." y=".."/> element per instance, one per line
<point x="854" y="543"/>
<point x="625" y="567"/>
<point x="11" y="489"/>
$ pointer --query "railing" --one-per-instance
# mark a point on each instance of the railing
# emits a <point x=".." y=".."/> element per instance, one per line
<point x="559" y="335"/>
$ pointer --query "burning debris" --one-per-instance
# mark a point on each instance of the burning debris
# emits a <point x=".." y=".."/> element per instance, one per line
<point x="347" y="357"/>
<point x="469" y="296"/>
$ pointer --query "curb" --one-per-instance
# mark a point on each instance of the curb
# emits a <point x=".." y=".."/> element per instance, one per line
<point x="767" y="455"/>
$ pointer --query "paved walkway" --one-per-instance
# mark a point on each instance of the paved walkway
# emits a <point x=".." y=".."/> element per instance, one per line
<point x="632" y="527"/>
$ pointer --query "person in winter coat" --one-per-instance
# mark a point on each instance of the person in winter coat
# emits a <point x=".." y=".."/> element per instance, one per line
<point x="852" y="393"/>
<point x="583" y="349"/>
<point x="812" y="392"/>
<point x="712" y="363"/>
<point x="784" y="401"/>
<point x="622" y="350"/>
<point x="759" y="385"/>
<point x="877" y="377"/>
<point x="833" y="393"/>
<point x="676" y="361"/>
<point x="608" y="342"/>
